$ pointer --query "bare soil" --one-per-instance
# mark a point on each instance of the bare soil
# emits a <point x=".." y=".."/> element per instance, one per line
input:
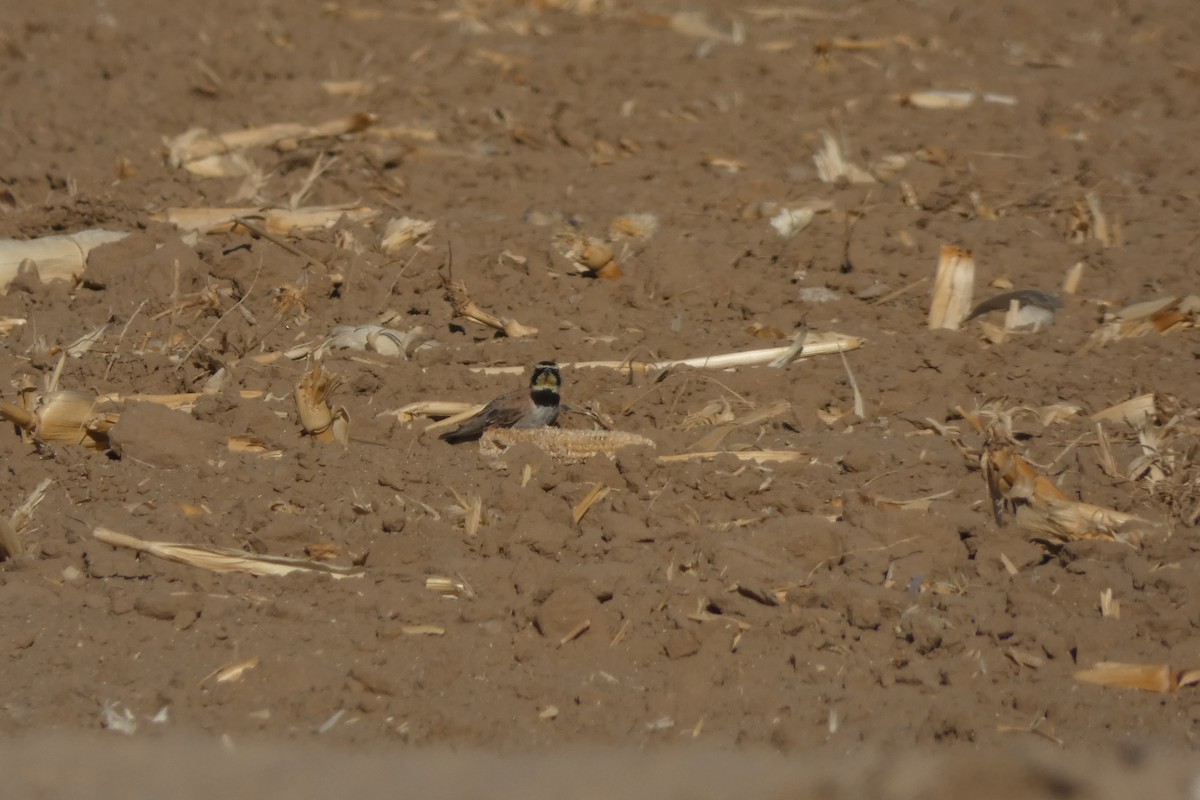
<point x="699" y="606"/>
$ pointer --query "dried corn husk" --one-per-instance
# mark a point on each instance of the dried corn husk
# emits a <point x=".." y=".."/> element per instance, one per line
<point x="234" y="672"/>
<point x="373" y="338"/>
<point x="222" y="559"/>
<point x="1043" y="508"/>
<point x="319" y="419"/>
<point x="757" y="456"/>
<point x="1073" y="278"/>
<point x="197" y="143"/>
<point x="60" y="257"/>
<point x="13" y="527"/>
<point x="815" y="344"/>
<point x="66" y="416"/>
<point x="9" y="324"/>
<point x="916" y="504"/>
<point x="1162" y="315"/>
<point x="589" y="255"/>
<point x="1135" y="412"/>
<point x="11" y="543"/>
<point x="1160" y="678"/>
<point x="279" y="221"/>
<point x="564" y="445"/>
<point x="464" y="306"/>
<point x="941" y="99"/>
<point x="245" y="443"/>
<point x="952" y="288"/>
<point x="1067" y="520"/>
<point x="432" y="408"/>
<point x="453" y="588"/>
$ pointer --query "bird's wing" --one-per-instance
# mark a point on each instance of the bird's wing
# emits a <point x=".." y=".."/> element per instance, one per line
<point x="502" y="412"/>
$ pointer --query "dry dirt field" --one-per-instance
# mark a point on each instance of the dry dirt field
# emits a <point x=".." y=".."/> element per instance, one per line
<point x="847" y="600"/>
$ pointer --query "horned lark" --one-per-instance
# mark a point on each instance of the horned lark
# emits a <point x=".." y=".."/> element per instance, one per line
<point x="534" y="408"/>
<point x="1035" y="310"/>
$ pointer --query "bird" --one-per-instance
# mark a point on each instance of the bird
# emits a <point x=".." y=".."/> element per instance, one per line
<point x="1035" y="309"/>
<point x="533" y="408"/>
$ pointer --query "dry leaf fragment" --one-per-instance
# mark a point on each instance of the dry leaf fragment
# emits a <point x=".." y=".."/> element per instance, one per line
<point x="245" y="443"/>
<point x="598" y="492"/>
<point x="355" y="88"/>
<point x="941" y="99"/>
<point x="322" y="551"/>
<point x="916" y="504"/>
<point x="1108" y="606"/>
<point x="12" y="545"/>
<point x="226" y="165"/>
<point x="9" y="324"/>
<point x="697" y="24"/>
<point x="575" y="632"/>
<point x="731" y="166"/>
<point x="400" y="233"/>
<point x="423" y="630"/>
<point x="794" y="350"/>
<point x="790" y="221"/>
<point x="713" y="439"/>
<point x="832" y="164"/>
<point x="1066" y="520"/>
<point x="235" y="672"/>
<point x="936" y="99"/>
<point x="1135" y="412"/>
<point x="1073" y="278"/>
<point x="80" y="347"/>
<point x="453" y="588"/>
<point x="1057" y="412"/>
<point x="638" y="227"/>
<point x="1024" y="658"/>
<point x="1099" y="225"/>
<point x="716" y="411"/>
<point x="1161" y="315"/>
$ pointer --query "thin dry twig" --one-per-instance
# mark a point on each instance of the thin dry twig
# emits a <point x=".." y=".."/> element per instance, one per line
<point x="183" y="361"/>
<point x="273" y="239"/>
